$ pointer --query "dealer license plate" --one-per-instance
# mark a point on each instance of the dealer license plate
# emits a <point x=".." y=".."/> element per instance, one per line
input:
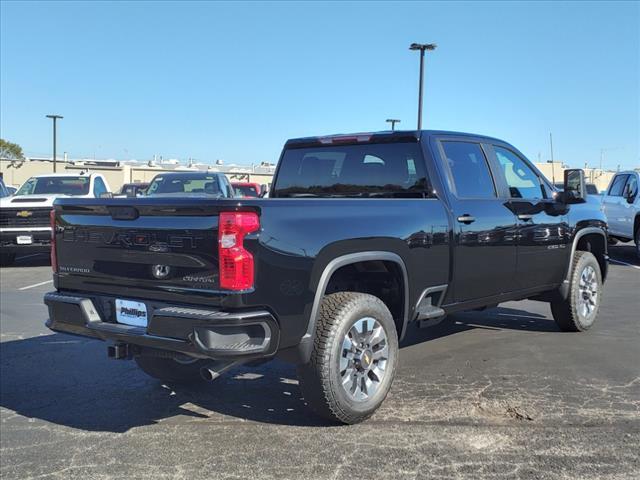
<point x="131" y="313"/>
<point x="24" y="239"/>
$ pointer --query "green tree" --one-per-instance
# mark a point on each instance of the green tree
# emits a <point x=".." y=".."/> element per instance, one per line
<point x="10" y="151"/>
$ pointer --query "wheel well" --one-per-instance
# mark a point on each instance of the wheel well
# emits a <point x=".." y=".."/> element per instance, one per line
<point x="384" y="279"/>
<point x="596" y="244"/>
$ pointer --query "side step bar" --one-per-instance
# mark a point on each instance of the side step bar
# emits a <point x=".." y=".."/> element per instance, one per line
<point x="428" y="314"/>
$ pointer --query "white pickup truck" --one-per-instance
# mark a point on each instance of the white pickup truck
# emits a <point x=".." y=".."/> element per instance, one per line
<point x="621" y="204"/>
<point x="24" y="217"/>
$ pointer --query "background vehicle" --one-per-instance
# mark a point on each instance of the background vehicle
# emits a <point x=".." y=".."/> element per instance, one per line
<point x="132" y="190"/>
<point x="24" y="217"/>
<point x="591" y="188"/>
<point x="11" y="190"/>
<point x="4" y="192"/>
<point x="622" y="206"/>
<point x="190" y="184"/>
<point x="247" y="189"/>
<point x="365" y="234"/>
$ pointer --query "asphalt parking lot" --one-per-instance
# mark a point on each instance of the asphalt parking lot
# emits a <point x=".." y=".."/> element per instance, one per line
<point x="494" y="394"/>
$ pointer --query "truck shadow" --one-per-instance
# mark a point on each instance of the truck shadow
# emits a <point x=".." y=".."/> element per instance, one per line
<point x="69" y="381"/>
<point x="30" y="260"/>
<point x="492" y="319"/>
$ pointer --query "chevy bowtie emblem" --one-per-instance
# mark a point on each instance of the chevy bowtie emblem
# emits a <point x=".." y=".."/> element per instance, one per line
<point x="24" y="214"/>
<point x="161" y="271"/>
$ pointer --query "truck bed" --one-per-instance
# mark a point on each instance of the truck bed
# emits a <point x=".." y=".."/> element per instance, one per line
<point x="112" y="246"/>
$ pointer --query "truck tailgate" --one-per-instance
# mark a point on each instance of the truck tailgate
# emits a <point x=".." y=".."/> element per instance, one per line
<point x="140" y="249"/>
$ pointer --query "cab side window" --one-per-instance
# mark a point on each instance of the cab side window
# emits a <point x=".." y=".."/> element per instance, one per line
<point x="99" y="187"/>
<point x="617" y="186"/>
<point x="522" y="181"/>
<point x="470" y="172"/>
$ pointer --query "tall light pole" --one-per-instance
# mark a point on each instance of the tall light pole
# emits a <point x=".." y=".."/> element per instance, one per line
<point x="553" y="167"/>
<point x="602" y="152"/>
<point x="422" y="47"/>
<point x="54" y="118"/>
<point x="393" y="122"/>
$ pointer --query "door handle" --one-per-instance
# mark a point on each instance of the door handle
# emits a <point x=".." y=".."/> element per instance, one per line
<point x="525" y="216"/>
<point x="466" y="219"/>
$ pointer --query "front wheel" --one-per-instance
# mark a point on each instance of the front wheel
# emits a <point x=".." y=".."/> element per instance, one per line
<point x="354" y="358"/>
<point x="579" y="310"/>
<point x="637" y="239"/>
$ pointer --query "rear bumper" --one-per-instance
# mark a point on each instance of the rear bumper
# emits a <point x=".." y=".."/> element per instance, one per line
<point x="203" y="333"/>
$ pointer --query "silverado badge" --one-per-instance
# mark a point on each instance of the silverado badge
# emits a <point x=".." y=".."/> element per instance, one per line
<point x="24" y="214"/>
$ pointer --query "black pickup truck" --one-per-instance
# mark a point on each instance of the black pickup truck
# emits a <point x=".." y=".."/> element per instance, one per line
<point x="363" y="235"/>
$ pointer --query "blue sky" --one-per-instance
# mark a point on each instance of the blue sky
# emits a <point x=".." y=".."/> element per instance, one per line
<point x="232" y="81"/>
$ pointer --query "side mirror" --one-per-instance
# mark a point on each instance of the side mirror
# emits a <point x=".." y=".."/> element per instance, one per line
<point x="264" y="190"/>
<point x="575" y="187"/>
<point x="630" y="193"/>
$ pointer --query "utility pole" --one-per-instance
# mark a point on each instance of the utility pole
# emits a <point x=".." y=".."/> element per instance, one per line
<point x="54" y="118"/>
<point x="602" y="152"/>
<point x="393" y="122"/>
<point x="553" y="167"/>
<point x="421" y="47"/>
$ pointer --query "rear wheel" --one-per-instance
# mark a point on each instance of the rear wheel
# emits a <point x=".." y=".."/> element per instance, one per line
<point x="182" y="369"/>
<point x="7" y="259"/>
<point x="579" y="310"/>
<point x="354" y="358"/>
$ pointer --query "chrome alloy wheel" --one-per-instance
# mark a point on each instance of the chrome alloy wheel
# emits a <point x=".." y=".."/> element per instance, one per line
<point x="363" y="358"/>
<point x="588" y="292"/>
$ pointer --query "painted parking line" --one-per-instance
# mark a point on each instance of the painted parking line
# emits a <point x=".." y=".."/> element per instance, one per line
<point x="35" y="285"/>
<point x="624" y="263"/>
<point x="30" y="256"/>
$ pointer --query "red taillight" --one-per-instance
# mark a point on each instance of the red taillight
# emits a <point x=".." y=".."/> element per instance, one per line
<point x="236" y="263"/>
<point x="54" y="256"/>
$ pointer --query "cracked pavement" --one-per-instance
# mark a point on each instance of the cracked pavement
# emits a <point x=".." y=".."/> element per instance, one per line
<point x="493" y="394"/>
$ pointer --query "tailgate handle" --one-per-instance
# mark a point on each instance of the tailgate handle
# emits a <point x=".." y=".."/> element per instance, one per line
<point x="123" y="213"/>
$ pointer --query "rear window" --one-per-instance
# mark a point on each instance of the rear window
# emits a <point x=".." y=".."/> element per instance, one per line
<point x="184" y="184"/>
<point x="55" y="185"/>
<point x="246" y="190"/>
<point x="370" y="170"/>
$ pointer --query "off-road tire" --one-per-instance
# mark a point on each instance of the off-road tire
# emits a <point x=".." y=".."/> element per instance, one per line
<point x="636" y="237"/>
<point x="7" y="259"/>
<point x="320" y="379"/>
<point x="169" y="370"/>
<point x="566" y="312"/>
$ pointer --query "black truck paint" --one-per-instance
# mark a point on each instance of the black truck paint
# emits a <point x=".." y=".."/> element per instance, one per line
<point x="458" y="253"/>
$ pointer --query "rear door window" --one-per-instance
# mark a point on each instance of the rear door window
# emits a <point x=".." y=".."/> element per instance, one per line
<point x="469" y="169"/>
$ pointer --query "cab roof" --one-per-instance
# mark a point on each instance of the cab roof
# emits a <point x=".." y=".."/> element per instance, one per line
<point x="385" y="136"/>
<point x="63" y="175"/>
